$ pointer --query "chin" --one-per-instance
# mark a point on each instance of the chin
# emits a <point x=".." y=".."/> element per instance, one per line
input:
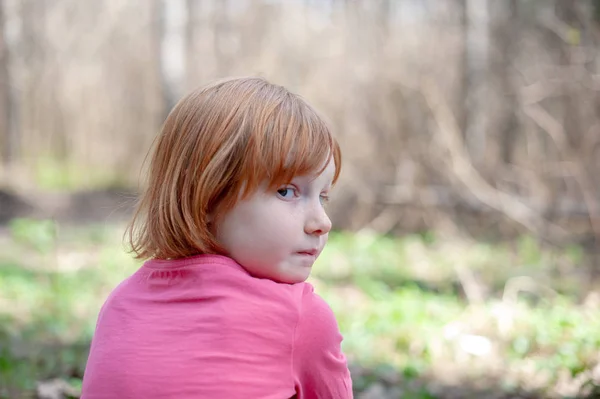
<point x="283" y="274"/>
<point x="291" y="279"/>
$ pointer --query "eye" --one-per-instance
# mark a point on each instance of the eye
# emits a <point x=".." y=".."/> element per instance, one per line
<point x="324" y="199"/>
<point x="287" y="192"/>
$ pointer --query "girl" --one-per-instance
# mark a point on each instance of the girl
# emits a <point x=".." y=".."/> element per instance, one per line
<point x="229" y="227"/>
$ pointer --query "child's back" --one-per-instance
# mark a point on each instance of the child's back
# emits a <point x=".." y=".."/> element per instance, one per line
<point x="202" y="327"/>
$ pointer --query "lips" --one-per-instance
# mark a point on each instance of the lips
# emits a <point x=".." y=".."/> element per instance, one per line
<point x="309" y="252"/>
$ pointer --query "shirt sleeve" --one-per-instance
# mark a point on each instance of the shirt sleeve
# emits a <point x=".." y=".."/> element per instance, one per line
<point x="319" y="366"/>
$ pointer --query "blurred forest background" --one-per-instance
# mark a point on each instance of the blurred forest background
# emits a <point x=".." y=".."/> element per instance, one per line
<point x="466" y="260"/>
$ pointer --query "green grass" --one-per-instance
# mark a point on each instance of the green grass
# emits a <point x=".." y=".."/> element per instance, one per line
<point x="400" y="304"/>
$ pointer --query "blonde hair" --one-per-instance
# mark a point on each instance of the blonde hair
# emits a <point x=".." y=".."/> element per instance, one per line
<point x="218" y="144"/>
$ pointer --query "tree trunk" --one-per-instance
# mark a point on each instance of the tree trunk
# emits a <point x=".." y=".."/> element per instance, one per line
<point x="7" y="128"/>
<point x="191" y="33"/>
<point x="170" y="18"/>
<point x="566" y="12"/>
<point x="504" y="37"/>
<point x="463" y="90"/>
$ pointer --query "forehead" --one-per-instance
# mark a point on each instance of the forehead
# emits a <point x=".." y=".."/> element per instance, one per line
<point x="323" y="174"/>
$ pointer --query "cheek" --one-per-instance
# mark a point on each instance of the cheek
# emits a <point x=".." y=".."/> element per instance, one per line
<point x="273" y="231"/>
<point x="245" y="227"/>
<point x="252" y="227"/>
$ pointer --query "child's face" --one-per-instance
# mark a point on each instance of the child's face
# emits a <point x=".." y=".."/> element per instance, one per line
<point x="278" y="235"/>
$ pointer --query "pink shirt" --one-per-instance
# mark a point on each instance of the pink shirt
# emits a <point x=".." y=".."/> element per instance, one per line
<point x="202" y="327"/>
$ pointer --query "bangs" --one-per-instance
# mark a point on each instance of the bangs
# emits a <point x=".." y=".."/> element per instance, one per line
<point x="293" y="141"/>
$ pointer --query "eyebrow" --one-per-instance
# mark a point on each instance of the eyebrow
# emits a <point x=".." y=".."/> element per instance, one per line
<point x="307" y="180"/>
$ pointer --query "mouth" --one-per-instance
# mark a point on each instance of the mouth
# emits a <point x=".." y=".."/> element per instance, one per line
<point x="308" y="252"/>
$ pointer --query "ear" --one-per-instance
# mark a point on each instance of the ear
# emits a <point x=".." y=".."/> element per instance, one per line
<point x="211" y="220"/>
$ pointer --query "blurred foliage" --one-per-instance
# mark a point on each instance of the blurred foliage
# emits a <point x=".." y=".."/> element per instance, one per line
<point x="399" y="303"/>
<point x="39" y="235"/>
<point x="52" y="174"/>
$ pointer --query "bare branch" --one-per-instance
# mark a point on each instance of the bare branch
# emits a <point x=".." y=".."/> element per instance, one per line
<point x="556" y="131"/>
<point x="468" y="175"/>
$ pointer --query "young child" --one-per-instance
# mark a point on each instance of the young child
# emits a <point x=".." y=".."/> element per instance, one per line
<point x="229" y="227"/>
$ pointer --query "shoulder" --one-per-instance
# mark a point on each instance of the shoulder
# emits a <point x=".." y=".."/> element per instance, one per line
<point x="114" y="296"/>
<point x="251" y="290"/>
<point x="317" y="327"/>
<point x="313" y="308"/>
<point x="319" y="366"/>
<point x="257" y="304"/>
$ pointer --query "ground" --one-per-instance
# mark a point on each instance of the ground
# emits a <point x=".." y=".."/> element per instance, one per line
<point x="423" y="316"/>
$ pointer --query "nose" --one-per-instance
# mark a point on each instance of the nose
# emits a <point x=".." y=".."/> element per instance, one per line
<point x="317" y="222"/>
